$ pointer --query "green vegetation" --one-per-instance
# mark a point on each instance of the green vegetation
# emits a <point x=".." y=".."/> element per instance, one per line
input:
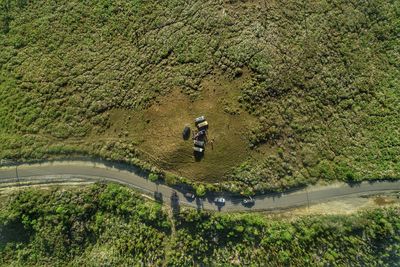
<point x="200" y="190"/>
<point x="295" y="92"/>
<point x="108" y="225"/>
<point x="153" y="177"/>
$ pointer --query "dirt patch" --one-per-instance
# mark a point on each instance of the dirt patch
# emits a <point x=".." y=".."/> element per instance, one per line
<point x="345" y="206"/>
<point x="6" y="191"/>
<point x="382" y="201"/>
<point x="158" y="129"/>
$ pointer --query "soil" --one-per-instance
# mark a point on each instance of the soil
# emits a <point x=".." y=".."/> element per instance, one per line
<point x="346" y="206"/>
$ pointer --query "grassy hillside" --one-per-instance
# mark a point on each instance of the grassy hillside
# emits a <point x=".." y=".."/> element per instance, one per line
<point x="294" y="92"/>
<point x="110" y="225"/>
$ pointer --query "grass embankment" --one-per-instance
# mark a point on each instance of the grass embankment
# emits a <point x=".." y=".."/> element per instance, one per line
<point x="294" y="92"/>
<point x="111" y="225"/>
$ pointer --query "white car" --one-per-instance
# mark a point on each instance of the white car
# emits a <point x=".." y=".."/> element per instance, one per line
<point x="219" y="200"/>
<point x="200" y="119"/>
<point x="198" y="149"/>
<point x="190" y="195"/>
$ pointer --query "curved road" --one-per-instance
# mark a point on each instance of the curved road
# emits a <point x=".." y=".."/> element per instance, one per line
<point x="88" y="171"/>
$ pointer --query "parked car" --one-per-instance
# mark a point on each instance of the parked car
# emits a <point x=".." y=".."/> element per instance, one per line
<point x="199" y="119"/>
<point x="200" y="133"/>
<point x="202" y="124"/>
<point x="198" y="149"/>
<point x="219" y="200"/>
<point x="199" y="143"/>
<point x="190" y="195"/>
<point x="248" y="201"/>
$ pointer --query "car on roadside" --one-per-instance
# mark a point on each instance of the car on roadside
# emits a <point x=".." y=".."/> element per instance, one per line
<point x="248" y="201"/>
<point x="219" y="200"/>
<point x="189" y="195"/>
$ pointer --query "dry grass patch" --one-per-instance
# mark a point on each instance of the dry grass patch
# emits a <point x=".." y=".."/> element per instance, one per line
<point x="158" y="129"/>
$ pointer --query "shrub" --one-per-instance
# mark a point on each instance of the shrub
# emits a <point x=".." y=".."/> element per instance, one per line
<point x="200" y="190"/>
<point x="153" y="177"/>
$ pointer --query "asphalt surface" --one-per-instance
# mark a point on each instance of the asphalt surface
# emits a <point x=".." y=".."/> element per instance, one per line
<point x="83" y="171"/>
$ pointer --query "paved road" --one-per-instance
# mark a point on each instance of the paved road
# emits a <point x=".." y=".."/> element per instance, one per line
<point x="83" y="171"/>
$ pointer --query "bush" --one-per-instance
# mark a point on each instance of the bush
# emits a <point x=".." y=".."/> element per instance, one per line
<point x="153" y="177"/>
<point x="200" y="190"/>
<point x="109" y="224"/>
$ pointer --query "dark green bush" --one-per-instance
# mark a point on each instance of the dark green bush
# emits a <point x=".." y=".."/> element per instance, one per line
<point x="112" y="225"/>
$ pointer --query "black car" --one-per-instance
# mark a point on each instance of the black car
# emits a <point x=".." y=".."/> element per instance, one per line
<point x="200" y="134"/>
<point x="248" y="201"/>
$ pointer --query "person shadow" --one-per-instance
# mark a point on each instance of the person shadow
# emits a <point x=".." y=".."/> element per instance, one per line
<point x="199" y="204"/>
<point x="175" y="204"/>
<point x="158" y="197"/>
